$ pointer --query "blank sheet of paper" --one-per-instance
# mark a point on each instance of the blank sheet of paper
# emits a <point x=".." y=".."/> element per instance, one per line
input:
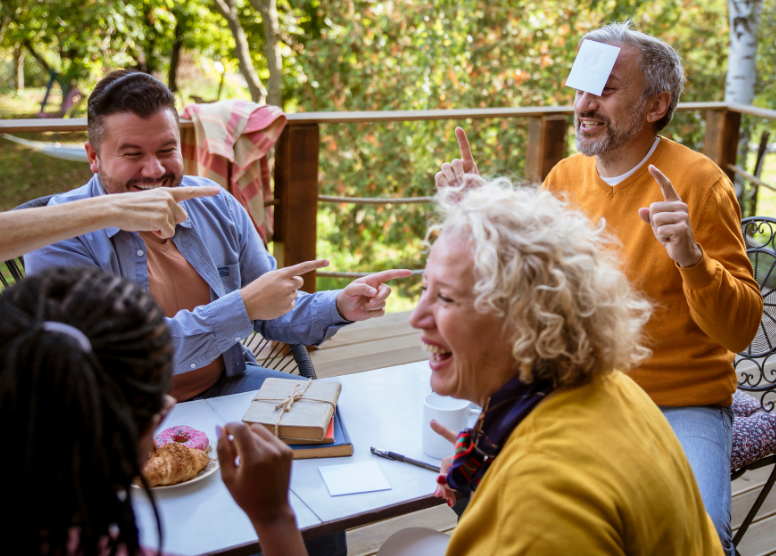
<point x="592" y="67"/>
<point x="352" y="478"/>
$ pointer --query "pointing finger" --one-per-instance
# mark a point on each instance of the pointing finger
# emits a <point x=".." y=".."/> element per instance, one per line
<point x="669" y="193"/>
<point x="463" y="145"/>
<point x="192" y="192"/>
<point x="386" y="275"/>
<point x="304" y="268"/>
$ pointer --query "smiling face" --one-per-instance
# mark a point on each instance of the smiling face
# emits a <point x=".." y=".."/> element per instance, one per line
<point x="137" y="154"/>
<point x="608" y="122"/>
<point x="470" y="356"/>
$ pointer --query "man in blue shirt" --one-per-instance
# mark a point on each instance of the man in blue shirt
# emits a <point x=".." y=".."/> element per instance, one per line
<point x="134" y="145"/>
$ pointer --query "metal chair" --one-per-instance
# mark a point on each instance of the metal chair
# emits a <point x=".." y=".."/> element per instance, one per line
<point x="279" y="356"/>
<point x="15" y="267"/>
<point x="751" y="365"/>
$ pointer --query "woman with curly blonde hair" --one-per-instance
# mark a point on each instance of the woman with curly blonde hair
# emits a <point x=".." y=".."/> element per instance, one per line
<point x="525" y="312"/>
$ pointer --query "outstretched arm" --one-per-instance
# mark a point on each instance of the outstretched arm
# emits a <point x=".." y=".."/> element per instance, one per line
<point x="24" y="231"/>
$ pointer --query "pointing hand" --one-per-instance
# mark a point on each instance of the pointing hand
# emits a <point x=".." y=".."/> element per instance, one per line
<point x="670" y="221"/>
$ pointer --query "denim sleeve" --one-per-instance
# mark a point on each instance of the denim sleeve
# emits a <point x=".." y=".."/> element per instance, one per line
<point x="201" y="335"/>
<point x="314" y="317"/>
<point x="70" y="252"/>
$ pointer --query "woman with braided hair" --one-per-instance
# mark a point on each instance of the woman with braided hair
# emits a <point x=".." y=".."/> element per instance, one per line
<point x="85" y="363"/>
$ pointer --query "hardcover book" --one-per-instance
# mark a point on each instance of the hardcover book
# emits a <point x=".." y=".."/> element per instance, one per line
<point x="342" y="446"/>
<point x="327" y="439"/>
<point x="309" y="416"/>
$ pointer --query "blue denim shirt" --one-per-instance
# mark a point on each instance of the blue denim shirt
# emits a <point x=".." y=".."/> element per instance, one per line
<point x="221" y="243"/>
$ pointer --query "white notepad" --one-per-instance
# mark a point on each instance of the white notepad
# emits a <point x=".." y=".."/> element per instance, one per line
<point x="352" y="478"/>
<point x="592" y="67"/>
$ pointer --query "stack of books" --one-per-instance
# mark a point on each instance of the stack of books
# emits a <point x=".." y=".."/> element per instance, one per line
<point x="313" y="427"/>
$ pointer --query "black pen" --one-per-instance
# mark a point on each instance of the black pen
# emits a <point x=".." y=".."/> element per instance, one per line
<point x="405" y="459"/>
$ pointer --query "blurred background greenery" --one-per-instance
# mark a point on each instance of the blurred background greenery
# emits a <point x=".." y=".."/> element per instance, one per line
<point x="348" y="55"/>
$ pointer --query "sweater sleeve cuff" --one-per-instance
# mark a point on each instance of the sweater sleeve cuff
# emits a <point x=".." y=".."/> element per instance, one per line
<point x="699" y="275"/>
<point x="229" y="320"/>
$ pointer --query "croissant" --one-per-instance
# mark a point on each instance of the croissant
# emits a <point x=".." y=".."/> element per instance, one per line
<point x="173" y="463"/>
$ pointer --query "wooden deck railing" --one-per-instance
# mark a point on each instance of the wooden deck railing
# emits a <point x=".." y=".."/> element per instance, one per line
<point x="298" y="150"/>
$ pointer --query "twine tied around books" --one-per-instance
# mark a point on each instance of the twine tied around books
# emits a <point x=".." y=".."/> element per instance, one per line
<point x="287" y="403"/>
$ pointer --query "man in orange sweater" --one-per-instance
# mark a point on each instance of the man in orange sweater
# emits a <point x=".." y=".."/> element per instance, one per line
<point x="682" y="246"/>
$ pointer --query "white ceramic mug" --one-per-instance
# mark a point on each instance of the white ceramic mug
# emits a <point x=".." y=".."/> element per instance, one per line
<point x="449" y="412"/>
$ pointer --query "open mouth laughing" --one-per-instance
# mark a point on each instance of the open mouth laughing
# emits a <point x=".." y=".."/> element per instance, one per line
<point x="165" y="181"/>
<point x="438" y="353"/>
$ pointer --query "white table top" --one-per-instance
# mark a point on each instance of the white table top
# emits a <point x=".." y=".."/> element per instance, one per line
<point x="381" y="408"/>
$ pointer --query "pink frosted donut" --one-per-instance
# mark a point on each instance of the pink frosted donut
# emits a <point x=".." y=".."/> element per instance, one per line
<point x="191" y="438"/>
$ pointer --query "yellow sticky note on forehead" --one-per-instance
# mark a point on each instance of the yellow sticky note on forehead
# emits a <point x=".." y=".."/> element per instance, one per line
<point x="592" y="67"/>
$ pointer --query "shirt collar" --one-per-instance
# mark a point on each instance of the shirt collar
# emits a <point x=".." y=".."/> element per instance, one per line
<point x="97" y="189"/>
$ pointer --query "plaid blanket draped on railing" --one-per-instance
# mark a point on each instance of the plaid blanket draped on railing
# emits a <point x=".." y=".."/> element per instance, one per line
<point x="240" y="133"/>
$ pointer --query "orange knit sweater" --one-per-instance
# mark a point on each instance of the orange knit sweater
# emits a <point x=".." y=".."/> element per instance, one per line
<point x="703" y="313"/>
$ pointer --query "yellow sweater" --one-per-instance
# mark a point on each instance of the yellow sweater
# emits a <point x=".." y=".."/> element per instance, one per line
<point x="703" y="313"/>
<point x="594" y="471"/>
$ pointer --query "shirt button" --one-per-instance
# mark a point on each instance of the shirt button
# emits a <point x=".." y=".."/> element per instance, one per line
<point x="237" y="339"/>
<point x="139" y="252"/>
<point x="193" y="365"/>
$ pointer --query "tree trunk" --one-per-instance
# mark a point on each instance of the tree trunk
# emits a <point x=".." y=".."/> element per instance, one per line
<point x="269" y="17"/>
<point x="175" y="56"/>
<point x="18" y="65"/>
<point x="742" y="72"/>
<point x="228" y="11"/>
<point x="28" y="45"/>
<point x="742" y="55"/>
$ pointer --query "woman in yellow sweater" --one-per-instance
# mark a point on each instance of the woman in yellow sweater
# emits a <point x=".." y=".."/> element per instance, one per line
<point x="526" y="313"/>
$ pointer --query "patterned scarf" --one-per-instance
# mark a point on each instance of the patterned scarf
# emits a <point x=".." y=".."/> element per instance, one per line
<point x="476" y="448"/>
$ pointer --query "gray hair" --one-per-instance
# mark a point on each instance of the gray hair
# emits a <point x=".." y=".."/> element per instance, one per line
<point x="660" y="63"/>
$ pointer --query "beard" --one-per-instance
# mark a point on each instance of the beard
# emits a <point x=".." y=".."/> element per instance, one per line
<point x="113" y="185"/>
<point x="617" y="134"/>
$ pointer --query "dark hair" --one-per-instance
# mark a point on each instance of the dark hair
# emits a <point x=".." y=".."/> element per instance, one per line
<point x="73" y="418"/>
<point x="126" y="91"/>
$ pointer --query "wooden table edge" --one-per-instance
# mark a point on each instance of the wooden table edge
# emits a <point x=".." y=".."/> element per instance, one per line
<point x="328" y="527"/>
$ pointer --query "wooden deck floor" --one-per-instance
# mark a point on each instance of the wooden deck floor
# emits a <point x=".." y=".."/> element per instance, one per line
<point x="390" y="341"/>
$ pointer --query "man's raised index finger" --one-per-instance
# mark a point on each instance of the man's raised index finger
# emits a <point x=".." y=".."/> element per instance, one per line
<point x="305" y="267"/>
<point x="192" y="192"/>
<point x="669" y="193"/>
<point x="463" y="144"/>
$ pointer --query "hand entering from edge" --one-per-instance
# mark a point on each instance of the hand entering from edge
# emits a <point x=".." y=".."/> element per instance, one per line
<point x="670" y="221"/>
<point x="460" y="171"/>
<point x="442" y="490"/>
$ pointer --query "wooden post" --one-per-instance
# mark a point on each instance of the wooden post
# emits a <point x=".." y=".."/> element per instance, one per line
<point x="546" y="145"/>
<point x="296" y="189"/>
<point x="721" y="141"/>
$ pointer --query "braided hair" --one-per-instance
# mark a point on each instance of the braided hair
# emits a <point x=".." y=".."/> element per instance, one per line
<point x="73" y="418"/>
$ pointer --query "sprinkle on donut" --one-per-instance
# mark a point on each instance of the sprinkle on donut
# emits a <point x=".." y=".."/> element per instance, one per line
<point x="182" y="434"/>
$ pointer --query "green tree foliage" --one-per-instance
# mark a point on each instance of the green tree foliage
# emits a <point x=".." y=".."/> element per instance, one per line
<point x="409" y="55"/>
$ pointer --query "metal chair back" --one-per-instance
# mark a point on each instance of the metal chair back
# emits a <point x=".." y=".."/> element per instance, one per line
<point x="279" y="356"/>
<point x="752" y="367"/>
<point x="754" y="374"/>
